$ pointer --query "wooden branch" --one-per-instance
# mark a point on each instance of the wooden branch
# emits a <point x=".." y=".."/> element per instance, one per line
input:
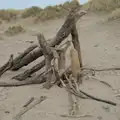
<point x="22" y="55"/>
<point x="11" y="62"/>
<point x="39" y="79"/>
<point x="24" y="110"/>
<point x="74" y="102"/>
<point x="64" y="32"/>
<point x="28" y="102"/>
<point x="7" y="65"/>
<point x="29" y="72"/>
<point x="59" y="65"/>
<point x="78" y="93"/>
<point x="98" y="99"/>
<point x="78" y="116"/>
<point x="47" y="52"/>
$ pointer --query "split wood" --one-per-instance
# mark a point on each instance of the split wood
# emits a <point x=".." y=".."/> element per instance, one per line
<point x="25" y="109"/>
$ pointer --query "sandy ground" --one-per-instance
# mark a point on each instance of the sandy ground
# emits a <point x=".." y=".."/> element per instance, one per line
<point x="100" y="46"/>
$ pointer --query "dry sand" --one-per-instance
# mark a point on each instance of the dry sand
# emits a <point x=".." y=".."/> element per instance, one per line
<point x="100" y="44"/>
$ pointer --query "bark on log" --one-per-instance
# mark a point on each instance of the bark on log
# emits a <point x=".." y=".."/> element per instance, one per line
<point x="64" y="31"/>
<point x="28" y="50"/>
<point x="47" y="52"/>
<point x="7" y="65"/>
<point x="29" y="72"/>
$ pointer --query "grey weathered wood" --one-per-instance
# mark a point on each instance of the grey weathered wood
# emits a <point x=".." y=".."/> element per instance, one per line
<point x="64" y="32"/>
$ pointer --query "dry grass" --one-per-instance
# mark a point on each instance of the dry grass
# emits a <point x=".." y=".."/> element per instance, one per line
<point x="9" y="14"/>
<point x="59" y="11"/>
<point x="115" y="14"/>
<point x="14" y="30"/>
<point x="110" y="6"/>
<point x="104" y="5"/>
<point x="50" y="12"/>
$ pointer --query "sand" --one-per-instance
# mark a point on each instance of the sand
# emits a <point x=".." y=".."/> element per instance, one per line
<point x="100" y="45"/>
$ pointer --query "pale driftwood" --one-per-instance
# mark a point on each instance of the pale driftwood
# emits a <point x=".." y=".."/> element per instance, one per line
<point x="98" y="99"/>
<point x="7" y="65"/>
<point x="24" y="110"/>
<point x="76" y="116"/>
<point x="88" y="96"/>
<point x="22" y="55"/>
<point x="47" y="52"/>
<point x="28" y="102"/>
<point x="39" y="79"/>
<point x="74" y="103"/>
<point x="64" y="32"/>
<point x="29" y="72"/>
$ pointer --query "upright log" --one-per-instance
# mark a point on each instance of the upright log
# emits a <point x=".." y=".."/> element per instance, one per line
<point x="64" y="32"/>
<point x="76" y="43"/>
<point x="47" y="52"/>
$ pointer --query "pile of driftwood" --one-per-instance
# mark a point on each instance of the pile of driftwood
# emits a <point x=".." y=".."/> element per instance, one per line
<point x="54" y="63"/>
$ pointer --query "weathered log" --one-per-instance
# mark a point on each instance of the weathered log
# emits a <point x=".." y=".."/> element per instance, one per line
<point x="64" y="32"/>
<point x="47" y="52"/>
<point x="28" y="50"/>
<point x="29" y="72"/>
<point x="7" y="65"/>
<point x="39" y="79"/>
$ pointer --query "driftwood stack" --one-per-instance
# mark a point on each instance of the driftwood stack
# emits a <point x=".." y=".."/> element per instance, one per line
<point x="54" y="62"/>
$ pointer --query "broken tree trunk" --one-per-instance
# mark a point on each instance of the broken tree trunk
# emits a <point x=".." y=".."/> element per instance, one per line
<point x="65" y="30"/>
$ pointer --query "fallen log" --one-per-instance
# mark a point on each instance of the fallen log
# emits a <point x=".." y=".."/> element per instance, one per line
<point x="64" y="32"/>
<point x="29" y="72"/>
<point x="28" y="50"/>
<point x="7" y="65"/>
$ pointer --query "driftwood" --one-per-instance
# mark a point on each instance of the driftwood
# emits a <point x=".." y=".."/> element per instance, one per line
<point x="28" y="102"/>
<point x="25" y="109"/>
<point x="64" y="32"/>
<point x="54" y="64"/>
<point x="7" y="65"/>
<point x="47" y="52"/>
<point x="88" y="96"/>
<point x="68" y="27"/>
<point x="29" y="72"/>
<point x="22" y="55"/>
